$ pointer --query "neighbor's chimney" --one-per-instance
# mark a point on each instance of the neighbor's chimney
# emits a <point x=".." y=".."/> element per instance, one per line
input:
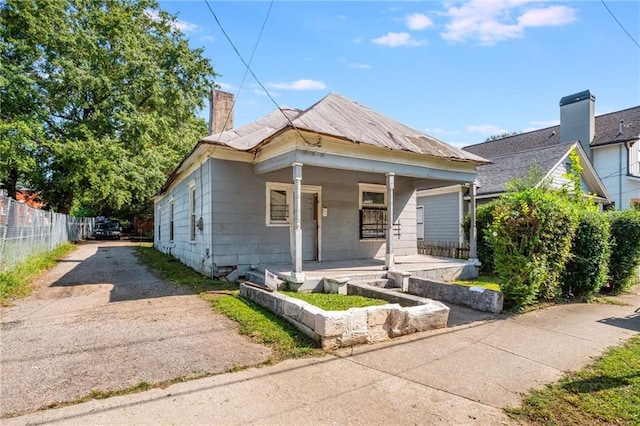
<point x="221" y="111"/>
<point x="577" y="119"/>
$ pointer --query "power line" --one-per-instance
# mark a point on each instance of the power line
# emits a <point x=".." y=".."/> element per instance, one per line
<point x="235" y="49"/>
<point x="619" y="23"/>
<point x="246" y="71"/>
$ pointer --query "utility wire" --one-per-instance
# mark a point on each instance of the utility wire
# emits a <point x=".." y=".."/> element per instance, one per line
<point x="619" y="23"/>
<point x="235" y="49"/>
<point x="246" y="71"/>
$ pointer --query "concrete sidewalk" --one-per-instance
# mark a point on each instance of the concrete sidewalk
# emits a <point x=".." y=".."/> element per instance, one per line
<point x="460" y="375"/>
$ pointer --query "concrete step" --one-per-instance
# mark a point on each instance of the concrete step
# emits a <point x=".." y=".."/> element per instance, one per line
<point x="379" y="282"/>
<point x="255" y="276"/>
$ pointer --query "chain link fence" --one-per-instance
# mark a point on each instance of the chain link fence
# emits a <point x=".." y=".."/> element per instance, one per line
<point x="25" y="231"/>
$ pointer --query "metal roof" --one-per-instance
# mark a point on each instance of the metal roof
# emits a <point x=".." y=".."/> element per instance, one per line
<point x="343" y="118"/>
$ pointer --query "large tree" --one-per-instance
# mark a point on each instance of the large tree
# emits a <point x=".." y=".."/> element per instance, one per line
<point x="98" y="100"/>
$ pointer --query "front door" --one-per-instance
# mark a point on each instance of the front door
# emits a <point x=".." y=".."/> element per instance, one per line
<point x="309" y="226"/>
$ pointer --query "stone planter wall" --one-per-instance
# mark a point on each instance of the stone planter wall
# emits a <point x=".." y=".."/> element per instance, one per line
<point x="478" y="298"/>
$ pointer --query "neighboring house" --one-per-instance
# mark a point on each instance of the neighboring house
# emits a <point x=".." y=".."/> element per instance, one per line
<point x="608" y="147"/>
<point x="321" y="184"/>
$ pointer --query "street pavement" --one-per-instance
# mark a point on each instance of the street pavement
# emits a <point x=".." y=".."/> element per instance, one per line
<point x="460" y="375"/>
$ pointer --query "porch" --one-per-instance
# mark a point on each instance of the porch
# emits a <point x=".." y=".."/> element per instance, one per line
<point x="417" y="265"/>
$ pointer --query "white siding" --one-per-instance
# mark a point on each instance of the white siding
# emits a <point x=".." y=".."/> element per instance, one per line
<point x="611" y="164"/>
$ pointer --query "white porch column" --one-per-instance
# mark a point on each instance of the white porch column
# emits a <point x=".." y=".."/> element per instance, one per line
<point x="389" y="261"/>
<point x="298" y="275"/>
<point x="473" y="231"/>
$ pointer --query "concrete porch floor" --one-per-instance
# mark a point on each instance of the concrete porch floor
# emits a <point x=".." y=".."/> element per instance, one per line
<point x="418" y="265"/>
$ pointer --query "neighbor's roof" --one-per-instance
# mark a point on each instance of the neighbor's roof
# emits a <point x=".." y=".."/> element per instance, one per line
<point x="343" y="118"/>
<point x="492" y="178"/>
<point x="607" y="131"/>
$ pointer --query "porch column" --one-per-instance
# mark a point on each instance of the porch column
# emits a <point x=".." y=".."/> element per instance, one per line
<point x="298" y="275"/>
<point x="389" y="261"/>
<point x="473" y="232"/>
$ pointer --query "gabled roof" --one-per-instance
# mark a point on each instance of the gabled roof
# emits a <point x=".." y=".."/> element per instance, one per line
<point x="607" y="131"/>
<point x="343" y="118"/>
<point x="493" y="177"/>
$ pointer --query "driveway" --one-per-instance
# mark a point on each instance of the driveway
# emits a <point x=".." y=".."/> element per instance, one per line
<point x="100" y="321"/>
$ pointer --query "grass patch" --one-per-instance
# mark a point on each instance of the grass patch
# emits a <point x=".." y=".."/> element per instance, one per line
<point x="18" y="282"/>
<point x="490" y="282"/>
<point x="259" y="323"/>
<point x="335" y="302"/>
<point x="605" y="392"/>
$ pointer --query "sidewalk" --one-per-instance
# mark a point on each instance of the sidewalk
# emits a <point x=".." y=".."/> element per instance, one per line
<point x="460" y="375"/>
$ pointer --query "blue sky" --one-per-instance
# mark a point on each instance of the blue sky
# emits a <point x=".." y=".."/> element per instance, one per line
<point x="459" y="71"/>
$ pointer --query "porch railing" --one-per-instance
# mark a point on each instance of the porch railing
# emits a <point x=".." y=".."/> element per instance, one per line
<point x="444" y="249"/>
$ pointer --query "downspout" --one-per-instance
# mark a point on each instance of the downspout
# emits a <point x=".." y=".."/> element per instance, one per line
<point x="620" y="176"/>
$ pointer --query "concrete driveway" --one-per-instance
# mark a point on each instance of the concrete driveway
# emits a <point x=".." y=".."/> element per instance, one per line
<point x="100" y="321"/>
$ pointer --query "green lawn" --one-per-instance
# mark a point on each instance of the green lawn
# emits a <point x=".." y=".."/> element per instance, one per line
<point x="259" y="323"/>
<point x="490" y="282"/>
<point x="335" y="302"/>
<point x="606" y="392"/>
<point x="18" y="282"/>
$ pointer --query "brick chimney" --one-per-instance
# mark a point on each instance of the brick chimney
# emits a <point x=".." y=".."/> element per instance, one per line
<point x="221" y="111"/>
<point x="577" y="119"/>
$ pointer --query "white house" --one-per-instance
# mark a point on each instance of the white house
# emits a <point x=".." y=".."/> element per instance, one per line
<point x="322" y="184"/>
<point x="609" y="150"/>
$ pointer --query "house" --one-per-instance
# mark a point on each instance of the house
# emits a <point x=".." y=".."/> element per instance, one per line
<point x="336" y="181"/>
<point x="608" y="147"/>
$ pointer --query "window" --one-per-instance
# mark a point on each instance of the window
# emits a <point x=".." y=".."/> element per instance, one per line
<point x="171" y="220"/>
<point x="635" y="204"/>
<point x="159" y="224"/>
<point x="373" y="211"/>
<point x="192" y="212"/>
<point x="278" y="203"/>
<point x="634" y="158"/>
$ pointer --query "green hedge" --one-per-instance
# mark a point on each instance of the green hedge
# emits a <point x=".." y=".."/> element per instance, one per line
<point x="625" y="249"/>
<point x="484" y="217"/>
<point x="586" y="271"/>
<point x="531" y="236"/>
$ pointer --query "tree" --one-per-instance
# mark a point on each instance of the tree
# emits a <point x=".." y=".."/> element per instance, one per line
<point x="501" y="136"/>
<point x="101" y="98"/>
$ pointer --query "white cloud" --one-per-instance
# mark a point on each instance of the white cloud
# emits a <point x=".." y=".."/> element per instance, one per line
<point x="397" y="39"/>
<point x="492" y="21"/>
<point x="418" y="21"/>
<point x="342" y="17"/>
<point x="207" y="38"/>
<point x="226" y="86"/>
<point x="488" y="129"/>
<point x="303" y="84"/>
<point x="537" y="125"/>
<point x="176" y="24"/>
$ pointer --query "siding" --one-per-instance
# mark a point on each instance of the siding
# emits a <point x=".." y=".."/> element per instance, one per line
<point x="195" y="254"/>
<point x="611" y="164"/>
<point x="442" y="220"/>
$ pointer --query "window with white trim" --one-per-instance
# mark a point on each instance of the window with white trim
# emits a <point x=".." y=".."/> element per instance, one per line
<point x="634" y="158"/>
<point x="373" y="211"/>
<point x="171" y="220"/>
<point x="192" y="212"/>
<point x="279" y="196"/>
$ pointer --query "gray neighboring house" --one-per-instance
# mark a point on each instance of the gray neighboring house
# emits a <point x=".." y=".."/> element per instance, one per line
<point x="321" y="184"/>
<point x="608" y="146"/>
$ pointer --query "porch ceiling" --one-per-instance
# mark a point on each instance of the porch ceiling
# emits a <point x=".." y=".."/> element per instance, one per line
<point x="333" y="161"/>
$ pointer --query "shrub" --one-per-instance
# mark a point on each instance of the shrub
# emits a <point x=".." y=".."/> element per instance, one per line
<point x="625" y="249"/>
<point x="484" y="217"/>
<point x="531" y="237"/>
<point x="586" y="271"/>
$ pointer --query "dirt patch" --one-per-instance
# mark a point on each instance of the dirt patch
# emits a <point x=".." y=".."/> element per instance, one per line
<point x="100" y="321"/>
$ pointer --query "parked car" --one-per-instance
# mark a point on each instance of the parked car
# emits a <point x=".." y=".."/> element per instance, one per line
<point x="110" y="230"/>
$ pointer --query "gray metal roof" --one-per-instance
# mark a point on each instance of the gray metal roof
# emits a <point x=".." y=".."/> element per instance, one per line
<point x="343" y="118"/>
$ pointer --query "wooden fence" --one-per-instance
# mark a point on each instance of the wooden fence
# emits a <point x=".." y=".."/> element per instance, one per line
<point x="444" y="249"/>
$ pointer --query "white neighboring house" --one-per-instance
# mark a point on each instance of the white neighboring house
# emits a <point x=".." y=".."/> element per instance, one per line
<point x="336" y="181"/>
<point x="608" y="146"/>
